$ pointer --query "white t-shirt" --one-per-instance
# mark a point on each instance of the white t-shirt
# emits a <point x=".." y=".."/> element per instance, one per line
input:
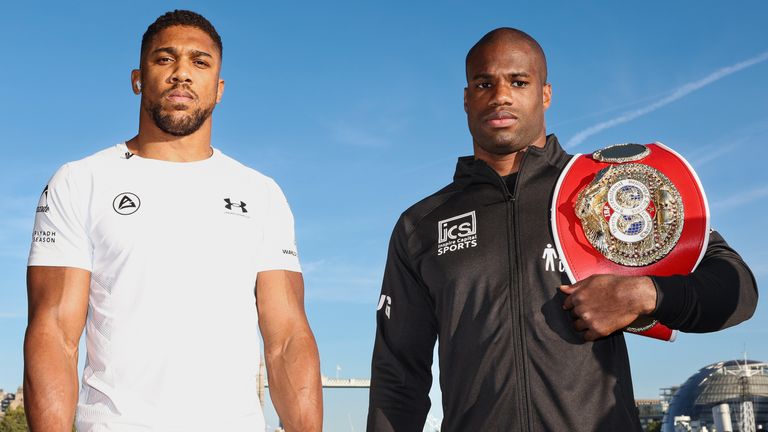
<point x="173" y="250"/>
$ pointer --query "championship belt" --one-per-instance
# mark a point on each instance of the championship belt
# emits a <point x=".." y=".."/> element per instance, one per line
<point x="634" y="210"/>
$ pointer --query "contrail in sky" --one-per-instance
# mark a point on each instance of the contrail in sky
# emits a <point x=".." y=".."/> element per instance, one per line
<point x="745" y="197"/>
<point x="676" y="94"/>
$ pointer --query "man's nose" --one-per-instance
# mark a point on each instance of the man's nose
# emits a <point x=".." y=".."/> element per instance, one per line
<point x="502" y="95"/>
<point x="181" y="75"/>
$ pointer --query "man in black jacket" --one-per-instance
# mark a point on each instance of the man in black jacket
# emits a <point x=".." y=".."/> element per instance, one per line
<point x="520" y="350"/>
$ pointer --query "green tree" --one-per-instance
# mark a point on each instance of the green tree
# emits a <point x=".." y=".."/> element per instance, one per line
<point x="14" y="421"/>
<point x="653" y="426"/>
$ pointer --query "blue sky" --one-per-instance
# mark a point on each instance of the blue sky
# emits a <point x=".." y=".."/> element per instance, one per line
<point x="355" y="108"/>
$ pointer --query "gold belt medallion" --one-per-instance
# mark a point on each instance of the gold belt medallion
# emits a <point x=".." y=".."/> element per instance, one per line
<point x="631" y="213"/>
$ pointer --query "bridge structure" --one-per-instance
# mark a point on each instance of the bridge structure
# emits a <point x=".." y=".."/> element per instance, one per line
<point x="329" y="382"/>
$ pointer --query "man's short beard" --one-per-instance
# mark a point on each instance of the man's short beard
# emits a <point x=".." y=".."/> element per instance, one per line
<point x="184" y="126"/>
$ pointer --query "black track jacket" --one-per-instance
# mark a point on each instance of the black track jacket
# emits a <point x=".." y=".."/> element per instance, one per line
<point x="469" y="265"/>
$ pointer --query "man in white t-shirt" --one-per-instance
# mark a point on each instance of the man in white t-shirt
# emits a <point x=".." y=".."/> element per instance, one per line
<point x="173" y="256"/>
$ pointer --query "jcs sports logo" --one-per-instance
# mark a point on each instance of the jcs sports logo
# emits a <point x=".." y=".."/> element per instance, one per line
<point x="456" y="233"/>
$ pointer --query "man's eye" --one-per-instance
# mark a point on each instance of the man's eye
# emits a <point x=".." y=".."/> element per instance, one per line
<point x="164" y="60"/>
<point x="484" y="85"/>
<point x="519" y="84"/>
<point x="200" y="63"/>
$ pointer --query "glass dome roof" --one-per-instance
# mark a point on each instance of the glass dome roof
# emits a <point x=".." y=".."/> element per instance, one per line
<point x="728" y="382"/>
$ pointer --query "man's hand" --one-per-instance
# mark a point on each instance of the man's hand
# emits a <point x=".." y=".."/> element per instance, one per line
<point x="602" y="304"/>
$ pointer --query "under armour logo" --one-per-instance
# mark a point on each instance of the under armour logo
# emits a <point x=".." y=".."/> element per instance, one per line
<point x="230" y="204"/>
<point x="384" y="299"/>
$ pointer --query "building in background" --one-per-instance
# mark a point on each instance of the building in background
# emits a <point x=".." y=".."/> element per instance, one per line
<point x="740" y="385"/>
<point x="651" y="411"/>
<point x="9" y="401"/>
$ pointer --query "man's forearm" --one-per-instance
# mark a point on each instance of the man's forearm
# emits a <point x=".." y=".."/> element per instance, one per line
<point x="50" y="380"/>
<point x="720" y="293"/>
<point x="294" y="383"/>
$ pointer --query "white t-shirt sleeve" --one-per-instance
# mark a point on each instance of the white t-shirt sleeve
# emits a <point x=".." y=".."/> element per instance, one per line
<point x="59" y="237"/>
<point x="278" y="249"/>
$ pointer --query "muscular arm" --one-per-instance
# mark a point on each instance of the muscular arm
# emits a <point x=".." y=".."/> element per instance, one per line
<point x="720" y="293"/>
<point x="293" y="363"/>
<point x="58" y="304"/>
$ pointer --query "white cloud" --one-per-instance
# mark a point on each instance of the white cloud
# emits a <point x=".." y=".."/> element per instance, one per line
<point x="676" y="94"/>
<point x="740" y="199"/>
<point x="712" y="153"/>
<point x="606" y="110"/>
<point x="309" y="267"/>
<point x="721" y="147"/>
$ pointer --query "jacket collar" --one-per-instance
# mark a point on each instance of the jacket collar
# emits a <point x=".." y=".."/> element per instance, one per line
<point x="471" y="170"/>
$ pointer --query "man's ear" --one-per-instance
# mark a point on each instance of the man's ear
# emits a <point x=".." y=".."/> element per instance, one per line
<point x="219" y="90"/>
<point x="465" y="100"/>
<point x="547" y="95"/>
<point x="136" y="81"/>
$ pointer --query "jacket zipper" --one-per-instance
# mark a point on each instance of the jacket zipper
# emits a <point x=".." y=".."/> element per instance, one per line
<point x="516" y="307"/>
<point x="528" y="417"/>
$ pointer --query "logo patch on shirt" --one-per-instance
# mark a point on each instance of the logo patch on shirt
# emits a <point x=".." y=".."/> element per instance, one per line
<point x="236" y="207"/>
<point x="126" y="203"/>
<point x="42" y="205"/>
<point x="549" y="256"/>
<point x="457" y="233"/>
<point x="229" y="204"/>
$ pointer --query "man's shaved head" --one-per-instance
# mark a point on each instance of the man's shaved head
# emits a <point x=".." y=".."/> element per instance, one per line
<point x="512" y="35"/>
<point x="506" y="94"/>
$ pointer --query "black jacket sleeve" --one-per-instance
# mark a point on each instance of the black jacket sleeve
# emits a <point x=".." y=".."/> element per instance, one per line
<point x="406" y="331"/>
<point x="720" y="293"/>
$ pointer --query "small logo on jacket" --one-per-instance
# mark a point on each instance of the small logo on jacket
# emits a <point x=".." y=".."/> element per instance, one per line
<point x="382" y="300"/>
<point x="457" y="233"/>
<point x="126" y="203"/>
<point x="549" y="256"/>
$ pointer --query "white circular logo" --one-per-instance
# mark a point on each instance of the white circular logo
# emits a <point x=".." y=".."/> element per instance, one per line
<point x="629" y="197"/>
<point x="630" y="228"/>
<point x="126" y="203"/>
<point x="630" y="221"/>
